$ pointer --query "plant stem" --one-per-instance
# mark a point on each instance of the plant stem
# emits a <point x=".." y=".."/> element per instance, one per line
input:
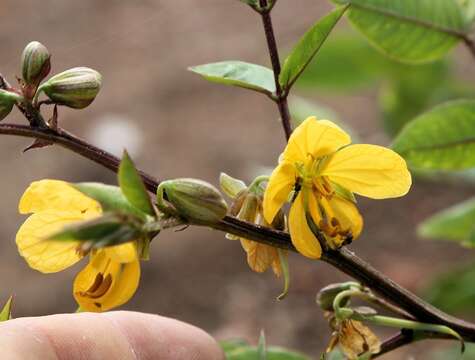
<point x="281" y="97"/>
<point x="401" y="339"/>
<point x="342" y="259"/>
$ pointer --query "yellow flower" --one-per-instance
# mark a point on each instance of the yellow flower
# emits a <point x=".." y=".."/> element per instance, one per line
<point x="112" y="275"/>
<point x="322" y="171"/>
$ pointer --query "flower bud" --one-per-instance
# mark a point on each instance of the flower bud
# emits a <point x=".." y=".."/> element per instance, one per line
<point x="75" y="88"/>
<point x="231" y="186"/>
<point x="35" y="66"/>
<point x="7" y="101"/>
<point x="193" y="199"/>
<point x="326" y="295"/>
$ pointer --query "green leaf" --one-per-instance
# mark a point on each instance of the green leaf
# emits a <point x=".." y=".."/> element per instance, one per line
<point x="456" y="223"/>
<point x="345" y="63"/>
<point x="133" y="187"/>
<point x="273" y="353"/>
<point x="408" y="30"/>
<point x="110" y="197"/>
<point x="441" y="139"/>
<point x="411" y="90"/>
<point x="107" y="230"/>
<point x="233" y="344"/>
<point x="307" y="48"/>
<point x="6" y="313"/>
<point x="468" y="11"/>
<point x="454" y="291"/>
<point x="238" y="73"/>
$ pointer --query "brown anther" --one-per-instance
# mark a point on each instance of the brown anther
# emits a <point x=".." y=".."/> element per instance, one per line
<point x="100" y="286"/>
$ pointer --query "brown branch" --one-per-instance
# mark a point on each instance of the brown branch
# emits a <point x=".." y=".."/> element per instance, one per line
<point x="71" y="142"/>
<point x="343" y="259"/>
<point x="281" y="97"/>
<point x="397" y="341"/>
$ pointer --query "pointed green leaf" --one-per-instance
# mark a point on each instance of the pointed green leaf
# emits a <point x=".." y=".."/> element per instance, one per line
<point x="456" y="223"/>
<point x="238" y="73"/>
<point x="408" y="30"/>
<point x="6" y="313"/>
<point x="133" y="187"/>
<point x="107" y="230"/>
<point x="441" y="139"/>
<point x="110" y="197"/>
<point x="308" y="47"/>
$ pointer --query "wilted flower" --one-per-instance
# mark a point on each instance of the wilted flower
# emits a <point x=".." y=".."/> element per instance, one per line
<point x="247" y="206"/>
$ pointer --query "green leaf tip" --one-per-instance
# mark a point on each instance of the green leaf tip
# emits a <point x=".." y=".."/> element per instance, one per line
<point x="132" y="186"/>
<point x="307" y="47"/>
<point x="6" y="313"/>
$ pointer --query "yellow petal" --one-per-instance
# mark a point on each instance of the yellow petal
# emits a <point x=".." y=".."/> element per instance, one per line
<point x="315" y="137"/>
<point x="369" y="170"/>
<point x="47" y="256"/>
<point x="302" y="237"/>
<point x="347" y="214"/>
<point x="123" y="253"/>
<point x="56" y="195"/>
<point x="278" y="189"/>
<point x="105" y="283"/>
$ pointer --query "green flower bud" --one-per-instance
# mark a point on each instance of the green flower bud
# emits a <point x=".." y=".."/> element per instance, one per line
<point x="192" y="199"/>
<point x="326" y="296"/>
<point x="231" y="186"/>
<point x="76" y="88"/>
<point x="35" y="66"/>
<point x="7" y="101"/>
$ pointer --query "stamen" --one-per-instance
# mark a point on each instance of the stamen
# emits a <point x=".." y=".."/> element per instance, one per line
<point x="99" y="288"/>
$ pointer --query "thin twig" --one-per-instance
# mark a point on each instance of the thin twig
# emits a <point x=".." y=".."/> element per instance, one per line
<point x="281" y="97"/>
<point x="343" y="259"/>
<point x="397" y="341"/>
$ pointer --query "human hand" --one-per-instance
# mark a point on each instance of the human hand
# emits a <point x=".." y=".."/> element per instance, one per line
<point x="120" y="335"/>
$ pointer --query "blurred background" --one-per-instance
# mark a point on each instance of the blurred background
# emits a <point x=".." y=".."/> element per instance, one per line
<point x="175" y="124"/>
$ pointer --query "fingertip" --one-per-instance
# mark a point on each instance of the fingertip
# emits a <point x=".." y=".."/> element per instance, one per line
<point x="153" y="336"/>
<point x="115" y="335"/>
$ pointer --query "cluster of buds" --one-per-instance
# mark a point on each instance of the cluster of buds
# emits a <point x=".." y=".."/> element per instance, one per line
<point x="247" y="206"/>
<point x="75" y="88"/>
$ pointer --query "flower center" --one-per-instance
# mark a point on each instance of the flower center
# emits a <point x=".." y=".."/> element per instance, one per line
<point x="310" y="179"/>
